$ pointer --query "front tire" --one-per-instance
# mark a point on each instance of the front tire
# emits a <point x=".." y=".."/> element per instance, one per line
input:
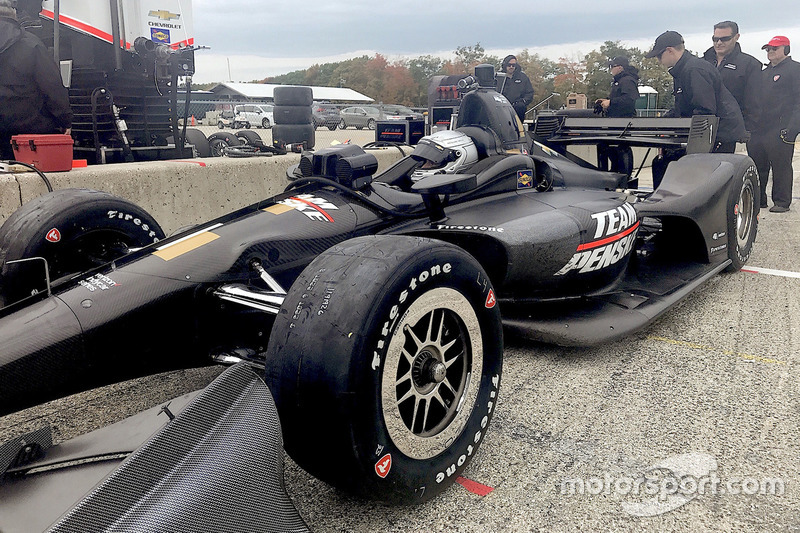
<point x="385" y="363"/>
<point x="371" y="124"/>
<point x="265" y="123"/>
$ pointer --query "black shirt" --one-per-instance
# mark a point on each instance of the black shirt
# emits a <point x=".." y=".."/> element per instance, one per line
<point x="699" y="90"/>
<point x="740" y="73"/>
<point x="779" y="93"/>
<point x="32" y="96"/>
<point x="518" y="88"/>
<point x="624" y="93"/>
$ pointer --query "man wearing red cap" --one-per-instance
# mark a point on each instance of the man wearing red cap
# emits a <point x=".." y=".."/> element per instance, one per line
<point x="778" y="123"/>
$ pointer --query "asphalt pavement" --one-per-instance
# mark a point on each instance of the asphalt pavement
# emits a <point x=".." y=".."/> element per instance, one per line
<point x="689" y="425"/>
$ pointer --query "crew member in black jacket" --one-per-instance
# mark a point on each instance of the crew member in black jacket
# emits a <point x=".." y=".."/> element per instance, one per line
<point x="33" y="98"/>
<point x="624" y="89"/>
<point x="778" y="123"/>
<point x="739" y="71"/>
<point x="517" y="89"/>
<point x="699" y="90"/>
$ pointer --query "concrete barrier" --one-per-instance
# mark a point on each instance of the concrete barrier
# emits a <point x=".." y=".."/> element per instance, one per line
<point x="176" y="193"/>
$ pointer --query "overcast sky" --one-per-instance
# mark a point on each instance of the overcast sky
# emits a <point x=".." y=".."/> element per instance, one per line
<point x="267" y="38"/>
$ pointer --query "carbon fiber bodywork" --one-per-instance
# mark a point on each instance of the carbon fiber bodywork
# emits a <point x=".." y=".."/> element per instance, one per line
<point x="216" y="466"/>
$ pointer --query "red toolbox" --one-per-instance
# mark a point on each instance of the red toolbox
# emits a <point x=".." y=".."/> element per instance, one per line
<point x="48" y="153"/>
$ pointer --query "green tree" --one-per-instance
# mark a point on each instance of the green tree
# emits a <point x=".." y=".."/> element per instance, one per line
<point x="542" y="73"/>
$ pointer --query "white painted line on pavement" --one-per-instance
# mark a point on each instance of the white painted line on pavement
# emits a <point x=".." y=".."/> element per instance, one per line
<point x="771" y="272"/>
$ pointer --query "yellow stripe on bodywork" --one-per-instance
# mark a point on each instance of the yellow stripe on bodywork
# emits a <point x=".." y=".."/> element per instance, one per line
<point x="194" y="242"/>
<point x="278" y="209"/>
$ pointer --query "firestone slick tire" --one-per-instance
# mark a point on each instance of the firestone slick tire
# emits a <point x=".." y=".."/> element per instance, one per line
<point x="385" y="362"/>
<point x="249" y="137"/>
<point x="293" y="114"/>
<point x="293" y="95"/>
<point x="200" y="142"/>
<point x="74" y="230"/>
<point x="294" y="133"/>
<point x="220" y="140"/>
<point x="744" y="203"/>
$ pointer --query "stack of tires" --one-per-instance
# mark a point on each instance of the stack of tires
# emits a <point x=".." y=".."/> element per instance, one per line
<point x="294" y="123"/>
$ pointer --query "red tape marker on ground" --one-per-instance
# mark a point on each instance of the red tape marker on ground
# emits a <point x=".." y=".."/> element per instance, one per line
<point x="473" y="486"/>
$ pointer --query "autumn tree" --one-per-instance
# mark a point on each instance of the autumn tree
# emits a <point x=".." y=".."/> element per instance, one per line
<point x="542" y="73"/>
<point x="571" y="76"/>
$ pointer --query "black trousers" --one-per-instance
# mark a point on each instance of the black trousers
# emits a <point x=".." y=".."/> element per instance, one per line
<point x="768" y="150"/>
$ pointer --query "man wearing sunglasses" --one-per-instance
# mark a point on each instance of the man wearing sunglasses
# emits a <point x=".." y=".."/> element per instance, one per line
<point x="778" y="123"/>
<point x="739" y="71"/>
<point x="518" y="88"/>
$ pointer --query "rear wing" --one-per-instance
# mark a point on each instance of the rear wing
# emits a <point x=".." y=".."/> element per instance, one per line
<point x="696" y="134"/>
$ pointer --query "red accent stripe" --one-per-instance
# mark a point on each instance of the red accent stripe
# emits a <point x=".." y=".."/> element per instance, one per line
<point x="601" y="242"/>
<point x="473" y="486"/>
<point x="749" y="271"/>
<point x="318" y="208"/>
<point x="100" y="34"/>
<point x="82" y="26"/>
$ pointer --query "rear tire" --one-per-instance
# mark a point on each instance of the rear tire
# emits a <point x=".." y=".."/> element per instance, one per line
<point x="74" y="230"/>
<point x="385" y="362"/>
<point x="744" y="203"/>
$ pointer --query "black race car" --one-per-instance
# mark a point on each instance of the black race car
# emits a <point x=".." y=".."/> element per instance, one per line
<point x="375" y="304"/>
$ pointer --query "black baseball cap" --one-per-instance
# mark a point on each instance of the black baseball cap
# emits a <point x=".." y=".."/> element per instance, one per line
<point x="619" y="61"/>
<point x="665" y="40"/>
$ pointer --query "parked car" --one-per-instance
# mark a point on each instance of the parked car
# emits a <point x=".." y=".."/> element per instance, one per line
<point x="247" y="115"/>
<point x="360" y="117"/>
<point x="325" y="115"/>
<point x="399" y="112"/>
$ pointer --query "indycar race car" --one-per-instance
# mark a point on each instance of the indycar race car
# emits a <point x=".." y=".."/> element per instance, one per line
<point x="372" y="306"/>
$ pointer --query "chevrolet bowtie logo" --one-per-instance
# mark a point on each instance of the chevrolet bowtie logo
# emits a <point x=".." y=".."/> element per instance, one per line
<point x="163" y="14"/>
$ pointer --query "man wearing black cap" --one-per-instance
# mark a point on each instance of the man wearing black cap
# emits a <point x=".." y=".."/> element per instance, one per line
<point x="699" y="90"/>
<point x="778" y="123"/>
<point x="518" y="88"/>
<point x="624" y="89"/>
